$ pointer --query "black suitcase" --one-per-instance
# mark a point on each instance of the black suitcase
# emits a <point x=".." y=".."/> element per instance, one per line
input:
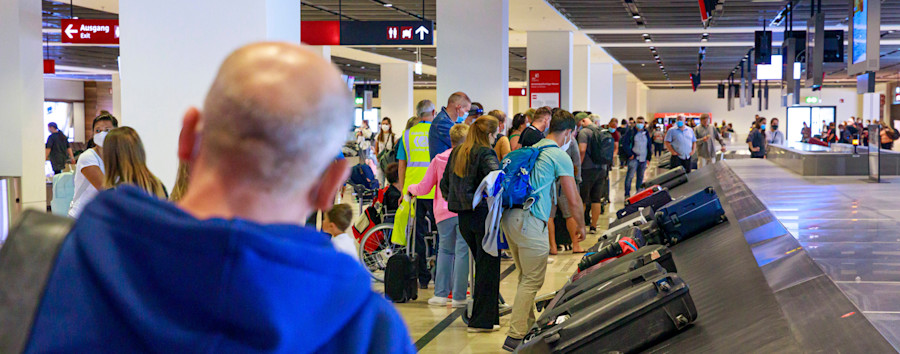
<point x="655" y="201"/>
<point x="651" y="233"/>
<point x="597" y="274"/>
<point x="690" y="215"/>
<point x="400" y="279"/>
<point x="670" y="179"/>
<point x="597" y="293"/>
<point x="625" y="322"/>
<point x="645" y="215"/>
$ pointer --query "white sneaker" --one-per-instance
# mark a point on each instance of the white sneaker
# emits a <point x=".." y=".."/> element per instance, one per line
<point x="438" y="301"/>
<point x="458" y="303"/>
<point x="483" y="330"/>
<point x="504" y="307"/>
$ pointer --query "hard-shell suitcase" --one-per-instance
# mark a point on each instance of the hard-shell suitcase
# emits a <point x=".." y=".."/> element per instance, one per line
<point x="609" y="249"/>
<point x="604" y="289"/>
<point x="643" y="216"/>
<point x="643" y="194"/>
<point x="598" y="273"/>
<point x="401" y="282"/>
<point x="690" y="215"/>
<point x="626" y="322"/>
<point x="651" y="234"/>
<point x="655" y="201"/>
<point x="670" y="179"/>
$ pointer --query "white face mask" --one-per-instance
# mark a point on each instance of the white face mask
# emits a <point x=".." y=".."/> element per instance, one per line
<point x="385" y="127"/>
<point x="99" y="138"/>
<point x="565" y="146"/>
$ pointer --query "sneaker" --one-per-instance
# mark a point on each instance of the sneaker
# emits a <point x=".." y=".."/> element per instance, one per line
<point x="504" y="307"/>
<point x="483" y="330"/>
<point x="511" y="344"/>
<point x="593" y="230"/>
<point x="438" y="301"/>
<point x="505" y="256"/>
<point x="458" y="303"/>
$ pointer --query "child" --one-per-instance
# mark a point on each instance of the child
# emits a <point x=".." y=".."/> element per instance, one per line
<point x="392" y="195"/>
<point x="337" y="221"/>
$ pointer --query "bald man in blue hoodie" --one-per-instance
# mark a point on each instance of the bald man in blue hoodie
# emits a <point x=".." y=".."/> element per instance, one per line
<point x="228" y="269"/>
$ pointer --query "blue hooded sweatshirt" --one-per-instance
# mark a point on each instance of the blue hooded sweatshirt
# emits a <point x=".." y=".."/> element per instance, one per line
<point x="137" y="274"/>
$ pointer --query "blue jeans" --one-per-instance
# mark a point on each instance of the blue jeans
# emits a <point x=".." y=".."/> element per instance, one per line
<point x="634" y="167"/>
<point x="452" y="271"/>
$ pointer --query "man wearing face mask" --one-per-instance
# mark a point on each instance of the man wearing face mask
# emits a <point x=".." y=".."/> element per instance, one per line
<point x="757" y="139"/>
<point x="705" y="136"/>
<point x="681" y="143"/>
<point x="539" y="125"/>
<point x="456" y="112"/>
<point x="773" y="135"/>
<point x="637" y="145"/>
<point x="526" y="230"/>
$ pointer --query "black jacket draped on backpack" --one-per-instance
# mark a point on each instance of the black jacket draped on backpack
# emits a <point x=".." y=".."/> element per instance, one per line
<point x="460" y="191"/>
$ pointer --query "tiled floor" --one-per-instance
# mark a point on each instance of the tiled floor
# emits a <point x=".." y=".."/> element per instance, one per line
<point x="849" y="226"/>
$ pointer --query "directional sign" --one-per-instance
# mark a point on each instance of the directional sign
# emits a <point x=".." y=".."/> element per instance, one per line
<point x="398" y="33"/>
<point x="90" y="31"/>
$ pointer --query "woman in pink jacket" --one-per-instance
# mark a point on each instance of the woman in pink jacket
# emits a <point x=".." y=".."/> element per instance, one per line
<point x="453" y="254"/>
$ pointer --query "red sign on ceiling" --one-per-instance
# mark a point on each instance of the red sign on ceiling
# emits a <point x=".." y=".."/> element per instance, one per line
<point x="544" y="87"/>
<point x="517" y="91"/>
<point x="90" y="31"/>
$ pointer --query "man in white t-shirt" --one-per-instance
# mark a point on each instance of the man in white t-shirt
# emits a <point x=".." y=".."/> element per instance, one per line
<point x="337" y="221"/>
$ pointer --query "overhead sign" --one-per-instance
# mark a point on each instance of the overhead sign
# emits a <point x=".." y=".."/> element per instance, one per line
<point x="415" y="33"/>
<point x="90" y="31"/>
<point x="517" y="91"/>
<point x="544" y="88"/>
<point x="812" y="99"/>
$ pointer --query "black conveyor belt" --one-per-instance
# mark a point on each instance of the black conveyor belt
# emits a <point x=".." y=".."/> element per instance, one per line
<point x="738" y="310"/>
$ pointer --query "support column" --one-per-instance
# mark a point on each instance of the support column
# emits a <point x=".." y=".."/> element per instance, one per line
<point x="22" y="101"/>
<point x="323" y="50"/>
<point x="552" y="50"/>
<point x="620" y="96"/>
<point x="602" y="90"/>
<point x="632" y="97"/>
<point x="163" y="76"/>
<point x="117" y="98"/>
<point x="484" y="76"/>
<point x="396" y="94"/>
<point x="581" y="78"/>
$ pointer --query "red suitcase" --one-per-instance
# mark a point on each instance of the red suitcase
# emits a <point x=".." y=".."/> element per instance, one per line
<point x="643" y="194"/>
<point x="817" y="141"/>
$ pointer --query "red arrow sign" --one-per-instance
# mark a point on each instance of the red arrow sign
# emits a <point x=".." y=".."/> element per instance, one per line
<point x="90" y="31"/>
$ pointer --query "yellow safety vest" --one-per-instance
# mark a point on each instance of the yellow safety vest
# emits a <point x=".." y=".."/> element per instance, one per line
<point x="415" y="141"/>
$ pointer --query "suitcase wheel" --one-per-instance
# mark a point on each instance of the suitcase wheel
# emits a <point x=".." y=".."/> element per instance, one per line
<point x="723" y="218"/>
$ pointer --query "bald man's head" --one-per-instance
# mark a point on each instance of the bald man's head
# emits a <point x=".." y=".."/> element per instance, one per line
<point x="275" y="116"/>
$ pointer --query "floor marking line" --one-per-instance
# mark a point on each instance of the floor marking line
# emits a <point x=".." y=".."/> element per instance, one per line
<point x="447" y="321"/>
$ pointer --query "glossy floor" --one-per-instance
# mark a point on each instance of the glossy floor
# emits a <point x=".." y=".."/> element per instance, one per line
<point x="849" y="226"/>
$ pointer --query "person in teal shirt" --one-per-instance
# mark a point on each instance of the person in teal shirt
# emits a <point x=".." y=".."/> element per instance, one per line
<point x="526" y="229"/>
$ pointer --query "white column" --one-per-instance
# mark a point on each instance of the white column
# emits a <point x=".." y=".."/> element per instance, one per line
<point x="323" y="50"/>
<point x="117" y="98"/>
<point x="581" y="78"/>
<point x="168" y="68"/>
<point x="620" y="96"/>
<point x="396" y="94"/>
<point x="552" y="50"/>
<point x="632" y="97"/>
<point x="602" y="90"/>
<point x="22" y="100"/>
<point x="467" y="27"/>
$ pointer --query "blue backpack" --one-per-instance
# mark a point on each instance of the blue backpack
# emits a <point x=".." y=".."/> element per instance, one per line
<point x="517" y="167"/>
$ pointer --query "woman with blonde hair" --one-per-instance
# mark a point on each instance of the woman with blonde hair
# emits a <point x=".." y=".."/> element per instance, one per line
<point x="467" y="166"/>
<point x="126" y="163"/>
<point x="501" y="145"/>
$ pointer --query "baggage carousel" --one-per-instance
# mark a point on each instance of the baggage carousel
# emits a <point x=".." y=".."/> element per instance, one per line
<point x="756" y="289"/>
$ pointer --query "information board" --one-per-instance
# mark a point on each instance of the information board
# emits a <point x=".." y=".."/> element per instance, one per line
<point x="544" y="88"/>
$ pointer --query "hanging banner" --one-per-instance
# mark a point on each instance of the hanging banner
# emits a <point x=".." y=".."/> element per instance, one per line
<point x="544" y="88"/>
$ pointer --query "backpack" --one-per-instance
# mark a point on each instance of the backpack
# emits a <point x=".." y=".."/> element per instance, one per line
<point x="517" y="167"/>
<point x="894" y="133"/>
<point x="602" y="146"/>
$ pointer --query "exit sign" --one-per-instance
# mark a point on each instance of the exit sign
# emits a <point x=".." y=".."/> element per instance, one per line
<point x="812" y="99"/>
<point x="90" y="31"/>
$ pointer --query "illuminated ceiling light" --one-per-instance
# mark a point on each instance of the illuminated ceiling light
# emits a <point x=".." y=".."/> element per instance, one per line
<point x="646" y="39"/>
<point x="646" y="35"/>
<point x="652" y="48"/>
<point x="388" y="5"/>
<point x="636" y="17"/>
<point x="362" y="67"/>
<point x="704" y="40"/>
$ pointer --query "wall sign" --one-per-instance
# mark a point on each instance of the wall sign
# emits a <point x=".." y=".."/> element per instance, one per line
<point x="544" y="88"/>
<point x="518" y="91"/>
<point x="90" y="31"/>
<point x="414" y="33"/>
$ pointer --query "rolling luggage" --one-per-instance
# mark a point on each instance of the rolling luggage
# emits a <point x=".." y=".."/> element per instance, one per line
<point x="644" y="215"/>
<point x="401" y="283"/>
<point x="604" y="289"/>
<point x="817" y="141"/>
<point x="643" y="194"/>
<point x="671" y="179"/>
<point x="690" y="215"/>
<point x="635" y="318"/>
<point x="654" y="200"/>
<point x="651" y="234"/>
<point x="607" y="250"/>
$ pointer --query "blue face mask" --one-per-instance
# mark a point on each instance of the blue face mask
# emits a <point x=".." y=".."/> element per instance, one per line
<point x="639" y="126"/>
<point x="680" y="124"/>
<point x="612" y="130"/>
<point x="462" y="118"/>
<point x="763" y="127"/>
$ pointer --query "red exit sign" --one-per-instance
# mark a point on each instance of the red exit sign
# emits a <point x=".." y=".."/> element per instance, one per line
<point x="90" y="31"/>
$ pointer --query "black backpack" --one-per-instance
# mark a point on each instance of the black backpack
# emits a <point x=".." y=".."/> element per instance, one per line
<point x="602" y="146"/>
<point x="400" y="279"/>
